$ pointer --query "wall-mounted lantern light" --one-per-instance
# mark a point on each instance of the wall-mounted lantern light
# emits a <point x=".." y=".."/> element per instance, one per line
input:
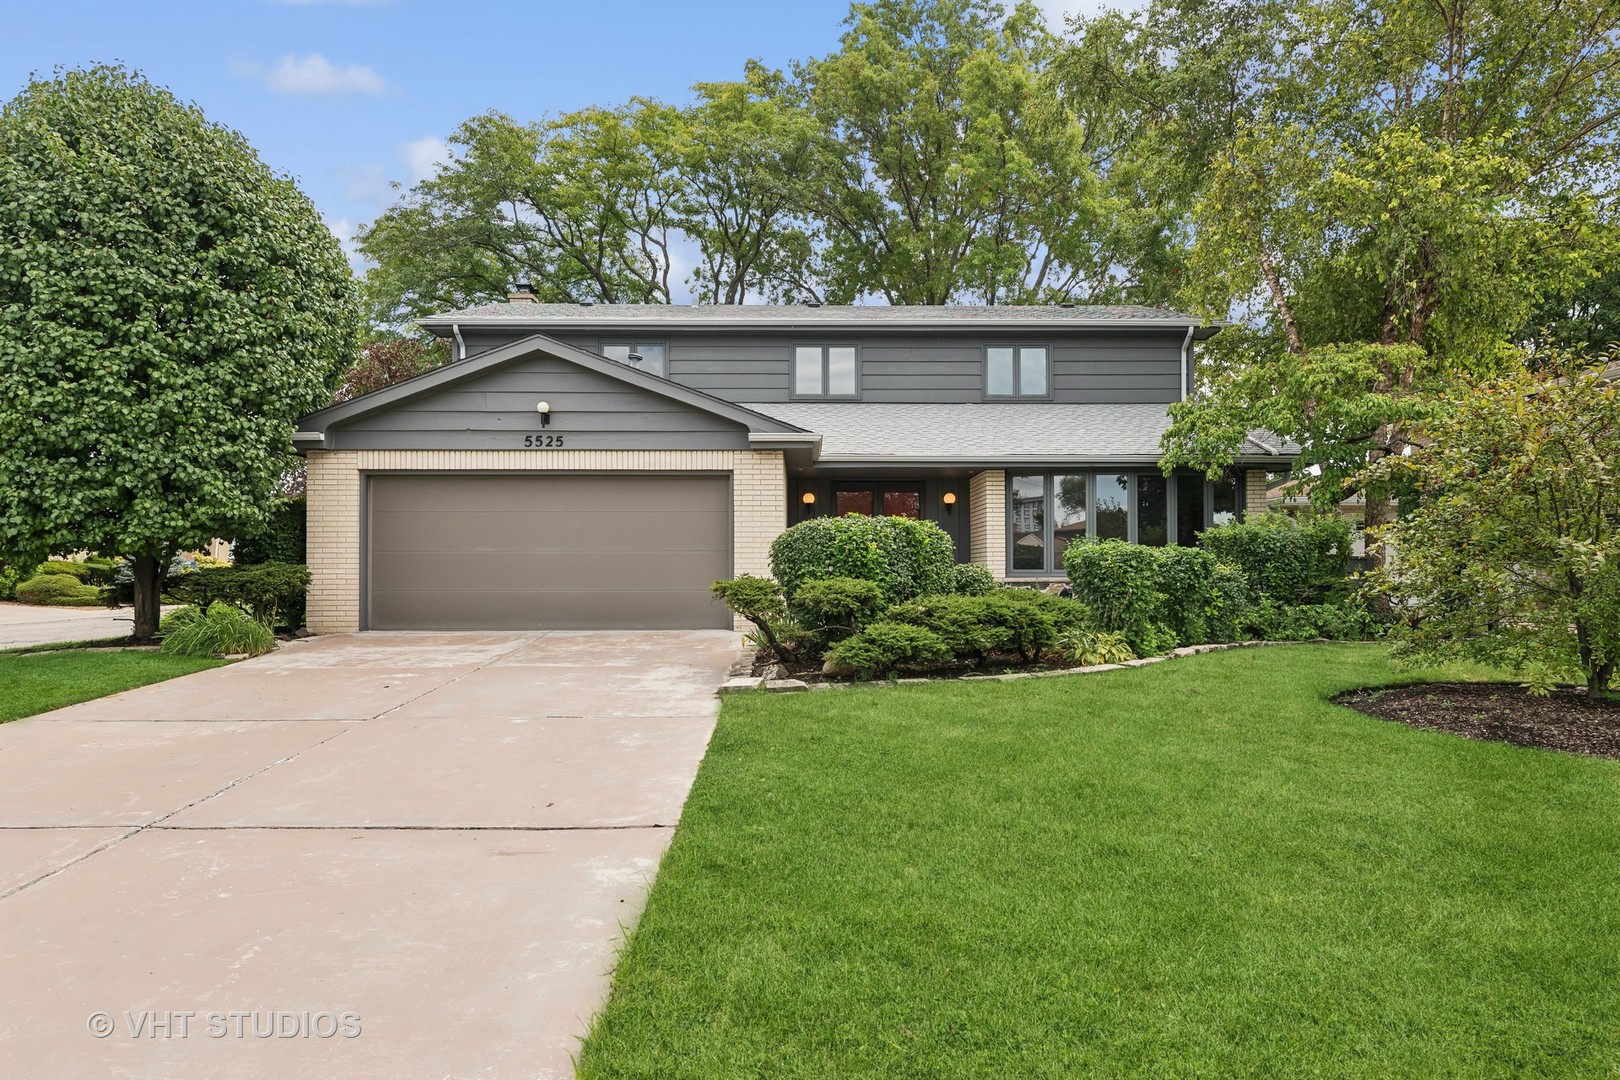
<point x="808" y="498"/>
<point x="950" y="502"/>
<point x="544" y="409"/>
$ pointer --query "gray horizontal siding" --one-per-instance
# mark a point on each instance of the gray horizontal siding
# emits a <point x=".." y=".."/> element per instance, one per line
<point x="752" y="366"/>
<point x="589" y="411"/>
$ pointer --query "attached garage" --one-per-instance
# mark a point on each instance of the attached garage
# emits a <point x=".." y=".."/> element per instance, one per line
<point x="572" y="551"/>
<point x="537" y="486"/>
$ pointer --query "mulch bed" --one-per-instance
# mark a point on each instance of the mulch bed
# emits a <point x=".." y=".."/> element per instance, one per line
<point x="1498" y="712"/>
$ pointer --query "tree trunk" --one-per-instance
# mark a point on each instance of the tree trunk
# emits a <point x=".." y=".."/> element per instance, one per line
<point x="1597" y="680"/>
<point x="148" y="601"/>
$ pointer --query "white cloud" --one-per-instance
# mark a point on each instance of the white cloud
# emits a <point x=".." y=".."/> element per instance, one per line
<point x="315" y="76"/>
<point x="344" y="229"/>
<point x="423" y="157"/>
<point x="1058" y="12"/>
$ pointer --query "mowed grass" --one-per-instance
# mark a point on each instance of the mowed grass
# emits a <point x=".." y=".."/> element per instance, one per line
<point x="1200" y="868"/>
<point x="50" y="680"/>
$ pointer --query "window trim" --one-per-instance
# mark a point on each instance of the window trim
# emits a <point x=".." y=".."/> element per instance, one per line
<point x="826" y="380"/>
<point x="1015" y="346"/>
<point x="1132" y="521"/>
<point x="604" y="344"/>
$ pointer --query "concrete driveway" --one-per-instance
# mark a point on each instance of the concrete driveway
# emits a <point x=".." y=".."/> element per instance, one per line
<point x="375" y="855"/>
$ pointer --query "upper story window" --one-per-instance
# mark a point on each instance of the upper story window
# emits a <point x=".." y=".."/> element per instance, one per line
<point x="653" y="356"/>
<point x="1016" y="371"/>
<point x="825" y="371"/>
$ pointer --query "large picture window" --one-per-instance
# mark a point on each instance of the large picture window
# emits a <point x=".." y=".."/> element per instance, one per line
<point x="1046" y="512"/>
<point x="825" y="371"/>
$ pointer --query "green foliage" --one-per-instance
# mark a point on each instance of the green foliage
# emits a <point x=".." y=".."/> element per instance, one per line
<point x="13" y="574"/>
<point x="971" y="579"/>
<point x="172" y="307"/>
<point x="280" y="539"/>
<point x="58" y="590"/>
<point x="76" y="570"/>
<point x="760" y="601"/>
<point x="1511" y="553"/>
<point x="387" y="359"/>
<point x="838" y="606"/>
<point x="223" y="631"/>
<point x="1291" y="560"/>
<point x="1088" y="647"/>
<point x="179" y="617"/>
<point x="964" y="623"/>
<point x="1343" y="620"/>
<point x="1121" y="584"/>
<point x="881" y="647"/>
<point x="904" y="557"/>
<point x="263" y="591"/>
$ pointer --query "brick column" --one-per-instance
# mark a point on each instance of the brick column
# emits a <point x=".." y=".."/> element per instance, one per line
<point x="987" y="521"/>
<point x="1254" y="492"/>
<point x="334" y="541"/>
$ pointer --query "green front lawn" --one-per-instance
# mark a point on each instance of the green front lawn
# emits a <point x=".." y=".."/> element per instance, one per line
<point x="1201" y="868"/>
<point x="50" y="680"/>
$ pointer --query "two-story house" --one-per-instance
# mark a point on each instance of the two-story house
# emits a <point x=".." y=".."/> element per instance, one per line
<point x="581" y="466"/>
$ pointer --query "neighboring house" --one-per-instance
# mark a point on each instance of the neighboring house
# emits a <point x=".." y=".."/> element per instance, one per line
<point x="598" y="466"/>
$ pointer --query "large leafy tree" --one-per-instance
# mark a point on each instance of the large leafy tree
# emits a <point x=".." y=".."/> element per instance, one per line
<point x="1511" y="551"/>
<point x="1405" y="182"/>
<point x="168" y="308"/>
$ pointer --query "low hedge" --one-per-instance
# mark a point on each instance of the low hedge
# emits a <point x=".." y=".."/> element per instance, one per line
<point x="269" y="592"/>
<point x="58" y="590"/>
<point x="78" y="571"/>
<point x="1290" y="560"/>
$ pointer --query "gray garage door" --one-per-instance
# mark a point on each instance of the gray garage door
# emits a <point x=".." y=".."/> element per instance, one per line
<point x="558" y="552"/>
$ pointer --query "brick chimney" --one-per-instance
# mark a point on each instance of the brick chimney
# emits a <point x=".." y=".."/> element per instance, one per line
<point x="522" y="293"/>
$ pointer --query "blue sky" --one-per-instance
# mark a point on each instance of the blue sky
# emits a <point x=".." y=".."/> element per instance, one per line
<point x="348" y="95"/>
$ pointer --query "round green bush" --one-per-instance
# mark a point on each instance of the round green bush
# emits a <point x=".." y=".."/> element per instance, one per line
<point x="77" y="570"/>
<point x="884" y="646"/>
<point x="58" y="590"/>
<point x="906" y="558"/>
<point x="971" y="579"/>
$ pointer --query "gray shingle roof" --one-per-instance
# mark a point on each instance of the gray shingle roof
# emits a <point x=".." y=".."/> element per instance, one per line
<point x="983" y="433"/>
<point x="791" y="315"/>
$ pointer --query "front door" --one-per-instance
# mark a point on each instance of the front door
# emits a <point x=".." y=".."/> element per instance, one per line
<point x="890" y="500"/>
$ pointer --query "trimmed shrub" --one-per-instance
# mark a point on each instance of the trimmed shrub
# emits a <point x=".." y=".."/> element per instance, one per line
<point x="971" y="579"/>
<point x="100" y="570"/>
<point x="1290" y="560"/>
<point x="838" y="605"/>
<point x="1122" y="584"/>
<point x="963" y="623"/>
<point x="263" y="592"/>
<point x="58" y="590"/>
<point x="759" y="600"/>
<point x="1342" y="621"/>
<point x="883" y="646"/>
<point x="223" y="631"/>
<point x="905" y="558"/>
<point x="78" y="571"/>
<point x="280" y="540"/>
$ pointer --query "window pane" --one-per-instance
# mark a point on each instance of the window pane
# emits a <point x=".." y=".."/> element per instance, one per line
<point x="906" y="504"/>
<point x="1152" y="505"/>
<point x="1032" y="371"/>
<point x="998" y="371"/>
<point x="841" y="370"/>
<point x="1113" y="512"/>
<point x="1189" y="509"/>
<point x="853" y="502"/>
<point x="807" y="370"/>
<point x="652" y="359"/>
<point x="1029" y="522"/>
<point x="1068" y="514"/>
<point x="621" y="353"/>
<point x="1223" y="508"/>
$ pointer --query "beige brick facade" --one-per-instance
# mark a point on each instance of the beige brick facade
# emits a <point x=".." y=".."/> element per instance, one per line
<point x="987" y="524"/>
<point x="1254" y="492"/>
<point x="758" y="493"/>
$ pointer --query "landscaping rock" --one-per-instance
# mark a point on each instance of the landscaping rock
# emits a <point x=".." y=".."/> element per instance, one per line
<point x="774" y="672"/>
<point x="750" y="682"/>
<point x="1143" y="661"/>
<point x="786" y="686"/>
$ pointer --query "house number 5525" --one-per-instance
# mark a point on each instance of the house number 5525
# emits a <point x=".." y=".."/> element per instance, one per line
<point x="542" y="441"/>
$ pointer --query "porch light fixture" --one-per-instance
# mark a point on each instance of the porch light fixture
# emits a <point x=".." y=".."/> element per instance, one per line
<point x="808" y="498"/>
<point x="544" y="409"/>
<point x="950" y="502"/>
